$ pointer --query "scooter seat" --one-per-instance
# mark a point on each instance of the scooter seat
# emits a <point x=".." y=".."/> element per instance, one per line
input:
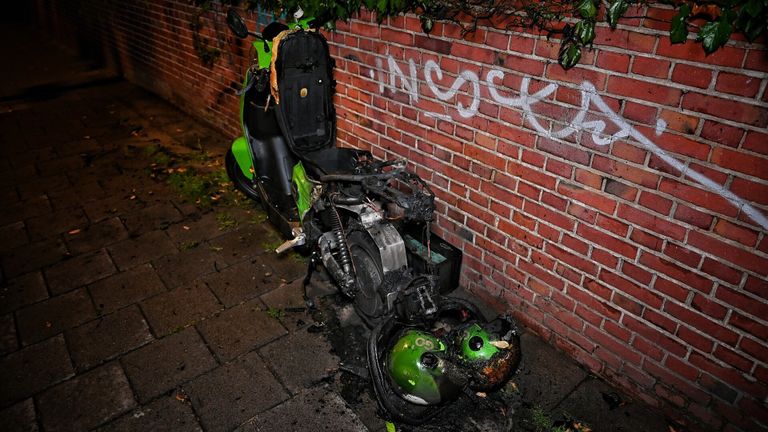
<point x="333" y="160"/>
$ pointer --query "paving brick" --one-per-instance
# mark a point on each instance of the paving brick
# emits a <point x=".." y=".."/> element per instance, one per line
<point x="164" y="414"/>
<point x="79" y="271"/>
<point x="234" y="392"/>
<point x="96" y="236"/>
<point x="166" y="363"/>
<point x="8" y="340"/>
<point x="107" y="337"/>
<point x="55" y="223"/>
<point x="77" y="195"/>
<point x="33" y="256"/>
<point x="33" y="368"/>
<point x="87" y="400"/>
<point x="240" y="244"/>
<point x="21" y="210"/>
<point x="289" y="298"/>
<point x="587" y="400"/>
<point x="60" y="164"/>
<point x="34" y="188"/>
<point x="301" y="368"/>
<point x="240" y="329"/>
<point x="13" y="235"/>
<point x="111" y="206"/>
<point x="544" y="378"/>
<point x="314" y="410"/>
<point x="142" y="249"/>
<point x="22" y="291"/>
<point x="126" y="288"/>
<point x="242" y="281"/>
<point x="19" y="417"/>
<point x="49" y="317"/>
<point x="186" y="266"/>
<point x="287" y="266"/>
<point x="179" y="308"/>
<point x="195" y="228"/>
<point x="158" y="216"/>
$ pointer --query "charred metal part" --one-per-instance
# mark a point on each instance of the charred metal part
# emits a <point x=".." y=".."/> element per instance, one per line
<point x="345" y="280"/>
<point x="341" y="242"/>
<point x="391" y="246"/>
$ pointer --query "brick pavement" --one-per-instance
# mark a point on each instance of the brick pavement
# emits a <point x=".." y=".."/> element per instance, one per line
<point x="125" y="306"/>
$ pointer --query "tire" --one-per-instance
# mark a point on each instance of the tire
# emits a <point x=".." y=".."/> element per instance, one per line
<point x="369" y="275"/>
<point x="242" y="183"/>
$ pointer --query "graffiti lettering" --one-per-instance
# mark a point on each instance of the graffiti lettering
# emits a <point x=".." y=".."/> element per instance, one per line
<point x="526" y="102"/>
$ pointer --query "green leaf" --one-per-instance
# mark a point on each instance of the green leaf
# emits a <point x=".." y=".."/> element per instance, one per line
<point x="426" y="24"/>
<point x="585" y="31"/>
<point x="569" y="56"/>
<point x="587" y="9"/>
<point x="381" y="6"/>
<point x="678" y="32"/>
<point x="370" y="4"/>
<point x="615" y="11"/>
<point x="753" y="7"/>
<point x="715" y="34"/>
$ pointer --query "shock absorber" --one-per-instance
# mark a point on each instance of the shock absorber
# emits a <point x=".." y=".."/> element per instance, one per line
<point x="341" y="240"/>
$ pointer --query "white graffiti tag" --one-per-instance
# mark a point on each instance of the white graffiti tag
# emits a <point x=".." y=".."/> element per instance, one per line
<point x="526" y="102"/>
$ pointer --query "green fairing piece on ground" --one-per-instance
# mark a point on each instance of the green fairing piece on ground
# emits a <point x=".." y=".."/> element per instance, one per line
<point x="476" y="344"/>
<point x="420" y="382"/>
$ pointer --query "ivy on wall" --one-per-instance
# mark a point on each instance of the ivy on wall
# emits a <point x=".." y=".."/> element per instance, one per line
<point x="715" y="21"/>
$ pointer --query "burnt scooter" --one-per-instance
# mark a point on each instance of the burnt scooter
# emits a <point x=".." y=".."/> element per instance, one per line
<point x="367" y="222"/>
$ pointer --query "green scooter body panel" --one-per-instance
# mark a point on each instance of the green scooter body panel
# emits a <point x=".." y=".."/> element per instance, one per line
<point x="243" y="156"/>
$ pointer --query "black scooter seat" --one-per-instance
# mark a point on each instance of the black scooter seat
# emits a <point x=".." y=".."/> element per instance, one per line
<point x="332" y="160"/>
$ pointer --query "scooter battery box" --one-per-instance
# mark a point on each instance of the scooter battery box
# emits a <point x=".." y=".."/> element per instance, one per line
<point x="440" y="258"/>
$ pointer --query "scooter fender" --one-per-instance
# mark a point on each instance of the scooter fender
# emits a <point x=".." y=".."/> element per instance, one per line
<point x="243" y="156"/>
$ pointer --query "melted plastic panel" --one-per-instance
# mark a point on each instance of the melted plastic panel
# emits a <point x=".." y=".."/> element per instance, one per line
<point x="305" y="111"/>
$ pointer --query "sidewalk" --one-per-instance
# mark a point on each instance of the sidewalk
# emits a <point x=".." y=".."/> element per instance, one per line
<point x="138" y="292"/>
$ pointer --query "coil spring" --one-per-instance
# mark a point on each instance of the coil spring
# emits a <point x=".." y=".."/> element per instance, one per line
<point x="341" y="240"/>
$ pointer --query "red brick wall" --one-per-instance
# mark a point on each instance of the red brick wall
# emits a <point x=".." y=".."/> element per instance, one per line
<point x="618" y="209"/>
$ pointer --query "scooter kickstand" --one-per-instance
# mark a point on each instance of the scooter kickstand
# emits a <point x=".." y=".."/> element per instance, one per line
<point x="311" y="268"/>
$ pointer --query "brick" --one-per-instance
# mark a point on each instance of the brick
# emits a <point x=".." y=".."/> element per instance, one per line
<point x="589" y="198"/>
<point x="638" y="89"/>
<point x="692" y="75"/>
<point x="92" y="399"/>
<point x="78" y="271"/>
<point x="695" y="339"/>
<point x="676" y="272"/>
<point x="49" y="317"/>
<point x="617" y="62"/>
<point x="142" y="249"/>
<point x="725" y="108"/>
<point x="682" y="254"/>
<point x="33" y="256"/>
<point x="258" y="328"/>
<point x="107" y="337"/>
<point x="723" y="134"/>
<point x="732" y="254"/>
<point x="680" y="122"/>
<point x="166" y="363"/>
<point x="606" y="342"/>
<point x="756" y="142"/>
<point x="732" y="358"/>
<point x="165" y="413"/>
<point x="737" y="84"/>
<point x="739" y="161"/>
<point x="433" y="44"/>
<point x="572" y="259"/>
<point x="125" y="288"/>
<point x="654" y="335"/>
<point x="173" y="310"/>
<point x="736" y="233"/>
<point x="702" y="323"/>
<point x="627" y="40"/>
<point x="224" y="398"/>
<point x="33" y="369"/>
<point x="646" y="239"/>
<point x="749" y="190"/>
<point x="693" y="217"/>
<point x="640" y="293"/>
<point x="654" y="223"/>
<point x="726" y="56"/>
<point x="22" y="291"/>
<point x="650" y="66"/>
<point x="697" y="196"/>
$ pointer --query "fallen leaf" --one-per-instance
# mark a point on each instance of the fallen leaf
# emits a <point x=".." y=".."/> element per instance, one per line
<point x="132" y="197"/>
<point x="185" y="227"/>
<point x="48" y="324"/>
<point x="500" y="344"/>
<point x="73" y="232"/>
<point x="481" y="394"/>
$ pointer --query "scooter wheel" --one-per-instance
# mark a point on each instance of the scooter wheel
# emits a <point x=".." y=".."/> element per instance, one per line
<point x="242" y="183"/>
